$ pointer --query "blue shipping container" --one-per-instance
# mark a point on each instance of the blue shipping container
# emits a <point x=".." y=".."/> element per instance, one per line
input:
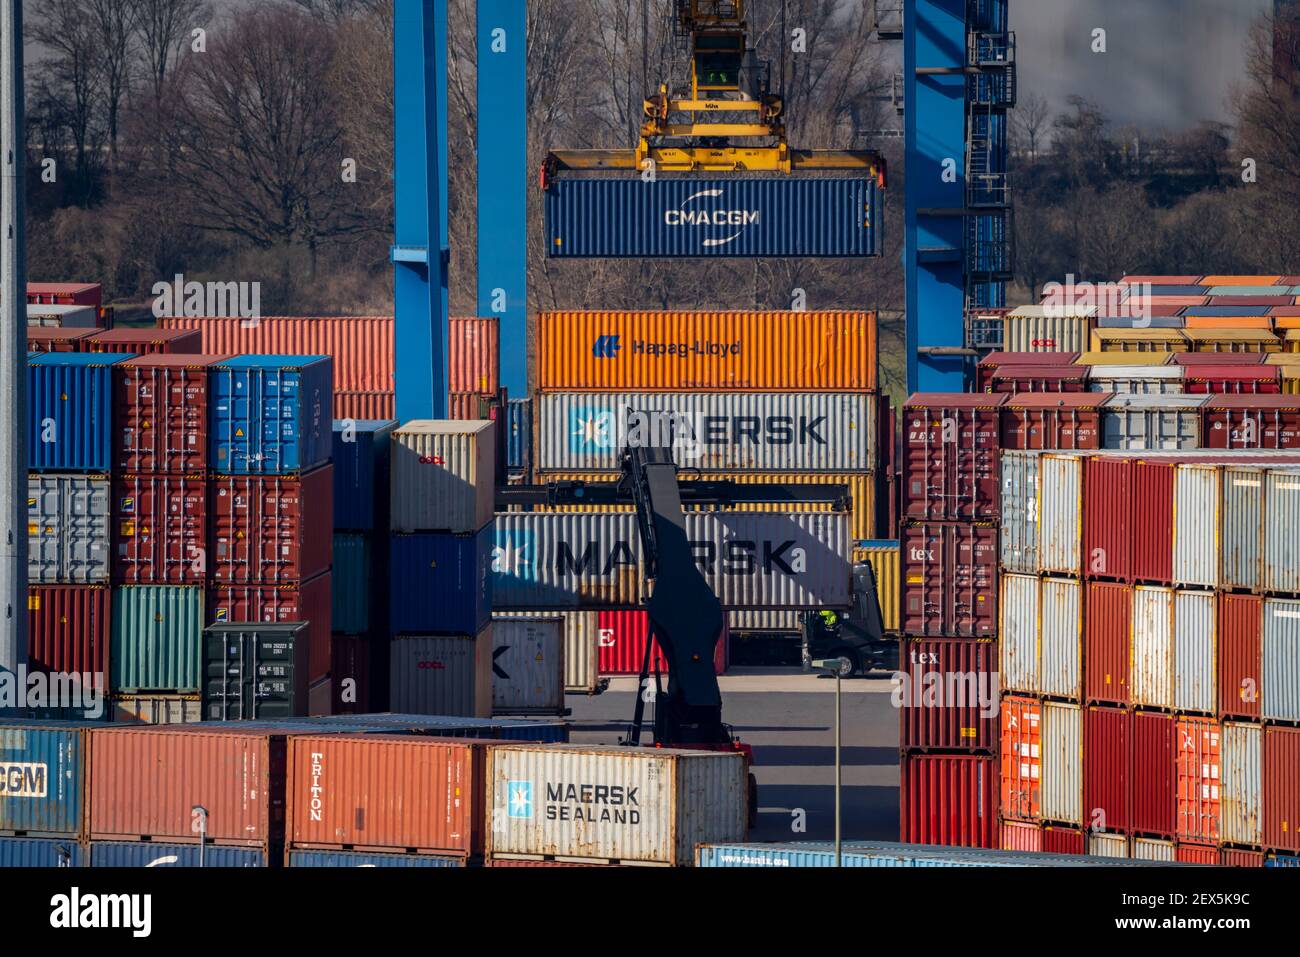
<point x="1281" y="860"/>
<point x="363" y="859"/>
<point x="149" y="854"/>
<point x="1135" y="290"/>
<point x="1221" y="311"/>
<point x="271" y="414"/>
<point x="29" y="852"/>
<point x="361" y="469"/>
<point x="554" y="731"/>
<point x="441" y="584"/>
<point x="519" y="432"/>
<point x="883" y="854"/>
<point x="70" y="411"/>
<point x="350" y="583"/>
<point x="1150" y="322"/>
<point x="783" y="216"/>
<point x="42" y="776"/>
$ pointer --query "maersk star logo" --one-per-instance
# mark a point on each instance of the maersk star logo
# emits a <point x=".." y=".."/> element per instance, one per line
<point x="590" y="427"/>
<point x="513" y="555"/>
<point x="521" y="798"/>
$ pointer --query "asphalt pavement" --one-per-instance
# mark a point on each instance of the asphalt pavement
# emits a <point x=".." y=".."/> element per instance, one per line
<point x="789" y="719"/>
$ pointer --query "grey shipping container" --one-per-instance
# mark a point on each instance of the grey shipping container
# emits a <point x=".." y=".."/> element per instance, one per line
<point x="581" y="647"/>
<point x="528" y="665"/>
<point x="1061" y="654"/>
<point x="544" y="561"/>
<point x="1243" y="503"/>
<point x="1151" y="677"/>
<point x="1138" y="380"/>
<point x="67" y="528"/>
<point x="1139" y="423"/>
<point x="1280" y="700"/>
<point x="255" y="670"/>
<point x="711" y="431"/>
<point x="1196" y="525"/>
<point x="1151" y="849"/>
<point x="1045" y="329"/>
<point x="1061" y="503"/>
<point x="442" y="674"/>
<point x="1282" y="533"/>
<point x="1242" y="762"/>
<point x="1020" y="512"/>
<point x="443" y="476"/>
<point x="784" y="622"/>
<point x="1021" y="627"/>
<point x="156" y="638"/>
<point x="613" y="804"/>
<point x="1062" y="763"/>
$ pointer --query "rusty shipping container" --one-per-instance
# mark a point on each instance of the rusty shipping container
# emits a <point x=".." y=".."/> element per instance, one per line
<point x="364" y="406"/>
<point x="45" y="765"/>
<point x="1060" y="547"/>
<point x="627" y="805"/>
<point x="1019" y="635"/>
<point x="160" y="530"/>
<point x="1251" y="422"/>
<point x="1241" y="619"/>
<point x="382" y="792"/>
<point x="1107" y="768"/>
<point x="1195" y="646"/>
<point x="995" y="361"/>
<point x="1199" y="779"/>
<point x="950" y="585"/>
<point x="474" y="355"/>
<point x="1108" y="629"/>
<point x="950" y="694"/>
<point x="1281" y="797"/>
<point x="1021" y="758"/>
<point x="144" y="341"/>
<point x="1281" y="566"/>
<point x="1155" y="746"/>
<point x="443" y="476"/>
<point x="271" y="529"/>
<point x="1052" y="379"/>
<point x="1242" y="783"/>
<point x="948" y="799"/>
<point x="1053" y="421"/>
<point x="950" y="456"/>
<point x="67" y="629"/>
<point x="1151" y="678"/>
<point x="675" y="351"/>
<point x="160" y="404"/>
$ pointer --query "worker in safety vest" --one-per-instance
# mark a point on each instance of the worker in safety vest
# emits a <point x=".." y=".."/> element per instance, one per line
<point x="829" y="618"/>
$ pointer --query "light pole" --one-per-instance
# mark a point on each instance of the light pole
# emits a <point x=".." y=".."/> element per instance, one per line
<point x="201" y="815"/>
<point x="837" y="667"/>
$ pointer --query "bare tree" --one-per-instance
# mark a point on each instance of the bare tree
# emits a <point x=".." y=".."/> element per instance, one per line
<point x="1029" y="122"/>
<point x="162" y="26"/>
<point x="338" y="11"/>
<point x="113" y="21"/>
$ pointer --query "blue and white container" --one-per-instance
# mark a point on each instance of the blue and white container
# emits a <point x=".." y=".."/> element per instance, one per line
<point x="361" y="463"/>
<point x="270" y="414"/>
<point x="43" y="777"/>
<point x="440" y="584"/>
<point x="70" y="411"/>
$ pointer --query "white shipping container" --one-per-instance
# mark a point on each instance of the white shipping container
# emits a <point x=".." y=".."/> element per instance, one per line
<point x="1139" y="423"/>
<point x="581" y="652"/>
<point x="1062" y="638"/>
<point x="1282" y="532"/>
<point x="1065" y="328"/>
<point x="1280" y="699"/>
<point x="1196" y="525"/>
<point x="1243" y="781"/>
<point x="613" y="804"/>
<point x="1108" y="845"/>
<point x="1019" y="536"/>
<point x="1151" y="679"/>
<point x="528" y="665"/>
<point x="1194" y="645"/>
<point x="1018" y="644"/>
<point x="442" y="674"/>
<point x="786" y="622"/>
<point x="1243" y="506"/>
<point x="1150" y="849"/>
<point x="1061" y="498"/>
<point x="1138" y="380"/>
<point x="711" y="431"/>
<point x="1062" y="763"/>
<point x="574" y="561"/>
<point x="443" y="476"/>
<point x="52" y="315"/>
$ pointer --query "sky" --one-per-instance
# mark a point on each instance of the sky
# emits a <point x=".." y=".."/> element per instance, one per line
<point x="1169" y="65"/>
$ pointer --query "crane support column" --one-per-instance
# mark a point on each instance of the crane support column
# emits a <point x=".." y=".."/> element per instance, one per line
<point x="419" y="251"/>
<point x="503" y="181"/>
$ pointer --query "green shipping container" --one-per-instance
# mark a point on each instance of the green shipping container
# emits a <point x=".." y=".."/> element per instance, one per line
<point x="157" y="639"/>
<point x="351" y="583"/>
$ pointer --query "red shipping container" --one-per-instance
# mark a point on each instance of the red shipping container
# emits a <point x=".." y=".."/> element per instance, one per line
<point x="950" y="694"/>
<point x="271" y="529"/>
<point x="1198" y="854"/>
<point x="1236" y="857"/>
<point x="951" y="450"/>
<point x="474" y="355"/>
<point x="1284" y="312"/>
<point x="56" y="339"/>
<point x="1108" y="517"/>
<point x="1199" y="777"/>
<point x="1251" y="422"/>
<point x="1022" y="723"/>
<point x="66" y="293"/>
<point x="145" y="341"/>
<point x="237" y="774"/>
<point x="350" y="673"/>
<point x="948" y="799"/>
<point x="994" y="361"/>
<point x="1064" y="840"/>
<point x="67" y="630"/>
<point x="1107" y="639"/>
<point x="1226" y="359"/>
<point x="1153" y="521"/>
<point x="1053" y="421"/>
<point x="1232" y="380"/>
<point x="160" y="529"/>
<point x="1239" y="681"/>
<point x="1281" y="795"/>
<point x="310" y="601"/>
<point x="387" y="792"/>
<point x="950" y="580"/>
<point x="1013" y="379"/>
<point x="623" y="635"/>
<point x="160" y="410"/>
<point x="468" y="405"/>
<point x="1152" y="811"/>
<point x="364" y="406"/>
<point x="1107" y="767"/>
<point x="1021" y="836"/>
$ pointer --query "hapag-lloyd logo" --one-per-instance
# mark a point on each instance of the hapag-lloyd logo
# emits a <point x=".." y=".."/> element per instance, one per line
<point x="733" y="220"/>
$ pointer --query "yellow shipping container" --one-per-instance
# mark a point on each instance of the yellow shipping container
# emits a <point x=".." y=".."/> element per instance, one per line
<point x="886" y="561"/>
<point x="1289" y="363"/>
<point x="614" y="351"/>
<point x="862" y="491"/>
<point x="1292" y="341"/>
<point x="1232" y="340"/>
<point x="1124" y="358"/>
<point x="1138" y="340"/>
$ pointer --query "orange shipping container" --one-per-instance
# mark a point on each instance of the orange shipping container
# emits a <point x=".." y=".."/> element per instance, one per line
<point x="473" y="356"/>
<point x="387" y="792"/>
<point x="1199" y="779"/>
<point x="1021" y="736"/>
<point x="1239" y="280"/>
<point x="1264" y="323"/>
<point x="362" y="406"/>
<point x="676" y="351"/>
